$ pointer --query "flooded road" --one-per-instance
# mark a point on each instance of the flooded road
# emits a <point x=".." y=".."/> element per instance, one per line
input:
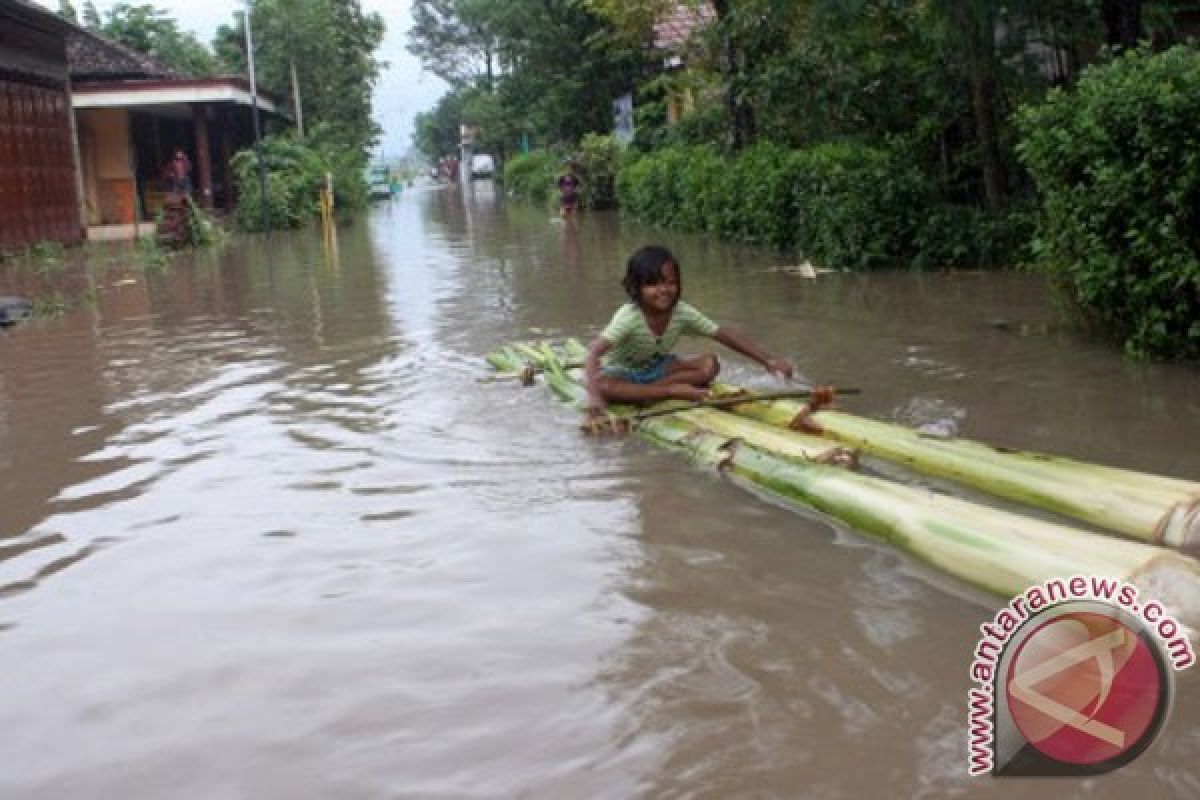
<point x="264" y="534"/>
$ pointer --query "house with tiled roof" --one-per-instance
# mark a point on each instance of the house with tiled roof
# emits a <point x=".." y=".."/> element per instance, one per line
<point x="673" y="31"/>
<point x="132" y="112"/>
<point x="95" y="57"/>
<point x="88" y="125"/>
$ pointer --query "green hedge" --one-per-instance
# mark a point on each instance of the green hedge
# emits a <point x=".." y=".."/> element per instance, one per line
<point x="532" y="176"/>
<point x="1116" y="162"/>
<point x="842" y="205"/>
<point x="857" y="206"/>
<point x="598" y="160"/>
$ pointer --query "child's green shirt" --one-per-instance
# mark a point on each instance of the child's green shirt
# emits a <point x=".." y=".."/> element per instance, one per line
<point x="634" y="345"/>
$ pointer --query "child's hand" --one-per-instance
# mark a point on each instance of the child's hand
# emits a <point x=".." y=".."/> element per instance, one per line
<point x="779" y="367"/>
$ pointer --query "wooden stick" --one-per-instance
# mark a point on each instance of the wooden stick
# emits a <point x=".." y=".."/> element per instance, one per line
<point x="725" y="401"/>
<point x="625" y="424"/>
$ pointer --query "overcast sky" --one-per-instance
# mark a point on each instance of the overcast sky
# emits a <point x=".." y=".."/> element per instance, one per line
<point x="403" y="89"/>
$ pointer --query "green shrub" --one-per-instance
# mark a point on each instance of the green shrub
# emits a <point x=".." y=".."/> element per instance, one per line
<point x="532" y="175"/>
<point x="949" y="235"/>
<point x="632" y="198"/>
<point x="296" y="170"/>
<point x="295" y="173"/>
<point x="856" y="205"/>
<point x="760" y="186"/>
<point x="598" y="159"/>
<point x="51" y="304"/>
<point x="149" y="256"/>
<point x="700" y="181"/>
<point x="647" y="188"/>
<point x="347" y="164"/>
<point x="842" y="205"/>
<point x="1117" y="165"/>
<point x="48" y="254"/>
<point x="701" y="126"/>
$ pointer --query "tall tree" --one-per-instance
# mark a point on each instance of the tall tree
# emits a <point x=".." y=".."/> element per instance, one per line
<point x="437" y="130"/>
<point x="550" y="68"/>
<point x="229" y="46"/>
<point x="91" y="17"/>
<point x="972" y="27"/>
<point x="152" y="31"/>
<point x="456" y="40"/>
<point x="321" y="53"/>
<point x="67" y="11"/>
<point x="633" y="19"/>
<point x="290" y="25"/>
<point x="345" y="98"/>
<point x="732" y="60"/>
<point x="1123" y="22"/>
<point x="746" y="35"/>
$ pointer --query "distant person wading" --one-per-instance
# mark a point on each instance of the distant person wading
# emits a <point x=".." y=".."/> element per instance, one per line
<point x="568" y="191"/>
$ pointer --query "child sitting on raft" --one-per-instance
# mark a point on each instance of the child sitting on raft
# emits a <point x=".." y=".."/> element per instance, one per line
<point x="631" y="361"/>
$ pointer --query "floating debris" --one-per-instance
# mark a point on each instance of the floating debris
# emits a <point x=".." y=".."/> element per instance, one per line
<point x="940" y="429"/>
<point x="14" y="310"/>
<point x="805" y="270"/>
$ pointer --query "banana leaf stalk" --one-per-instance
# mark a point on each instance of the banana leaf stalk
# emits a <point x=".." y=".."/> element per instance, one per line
<point x="994" y="550"/>
<point x="1148" y="507"/>
<point x="998" y="551"/>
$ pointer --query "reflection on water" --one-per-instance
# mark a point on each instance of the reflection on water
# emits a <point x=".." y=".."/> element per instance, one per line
<point x="264" y="533"/>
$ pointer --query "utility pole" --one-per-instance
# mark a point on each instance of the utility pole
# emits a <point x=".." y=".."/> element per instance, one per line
<point x="262" y="166"/>
<point x="299" y="109"/>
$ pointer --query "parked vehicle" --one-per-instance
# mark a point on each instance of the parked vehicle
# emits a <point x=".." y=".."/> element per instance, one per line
<point x="379" y="182"/>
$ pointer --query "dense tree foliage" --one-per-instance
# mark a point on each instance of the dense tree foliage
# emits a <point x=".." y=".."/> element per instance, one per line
<point x="524" y="68"/>
<point x="938" y="79"/>
<point x="788" y="104"/>
<point x="321" y="55"/>
<point x="295" y="171"/>
<point x="436" y="131"/>
<point x="319" y="51"/>
<point x="148" y="30"/>
<point x="67" y="11"/>
<point x="457" y="39"/>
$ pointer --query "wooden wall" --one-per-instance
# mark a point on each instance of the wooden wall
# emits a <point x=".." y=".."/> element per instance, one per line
<point x="38" y="187"/>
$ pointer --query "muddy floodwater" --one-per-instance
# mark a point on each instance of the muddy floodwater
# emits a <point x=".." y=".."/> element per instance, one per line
<point x="264" y="534"/>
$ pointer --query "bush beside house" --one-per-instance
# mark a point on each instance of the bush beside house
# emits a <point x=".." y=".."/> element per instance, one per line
<point x="1117" y="165"/>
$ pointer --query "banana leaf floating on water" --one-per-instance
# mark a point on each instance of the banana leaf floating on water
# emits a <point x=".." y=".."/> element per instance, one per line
<point x="995" y="550"/>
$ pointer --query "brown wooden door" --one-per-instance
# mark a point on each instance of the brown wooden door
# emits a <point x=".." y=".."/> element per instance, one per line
<point x="37" y="172"/>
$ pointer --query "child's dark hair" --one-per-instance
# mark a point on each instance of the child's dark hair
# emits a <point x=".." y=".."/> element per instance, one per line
<point x="645" y="268"/>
